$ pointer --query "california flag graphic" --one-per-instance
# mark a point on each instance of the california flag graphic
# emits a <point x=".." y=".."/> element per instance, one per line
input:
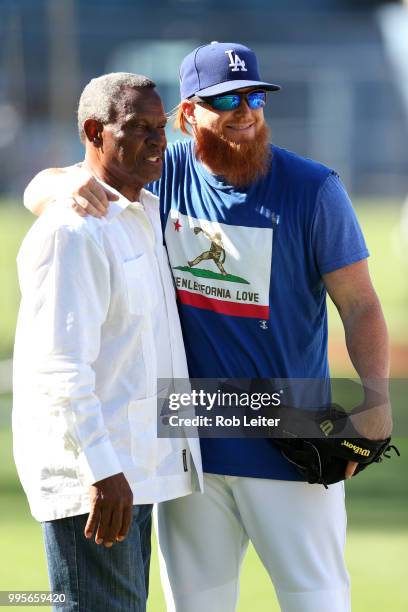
<point x="224" y="268"/>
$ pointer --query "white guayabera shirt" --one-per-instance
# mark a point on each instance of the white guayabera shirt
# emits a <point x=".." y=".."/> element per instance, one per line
<point x="98" y="324"/>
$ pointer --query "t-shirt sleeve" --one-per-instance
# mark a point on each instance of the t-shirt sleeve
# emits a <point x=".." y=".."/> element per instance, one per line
<point x="336" y="234"/>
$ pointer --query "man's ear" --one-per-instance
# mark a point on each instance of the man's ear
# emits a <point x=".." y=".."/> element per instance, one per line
<point x="188" y="107"/>
<point x="93" y="131"/>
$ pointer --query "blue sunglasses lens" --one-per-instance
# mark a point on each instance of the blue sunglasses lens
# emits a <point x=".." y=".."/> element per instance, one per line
<point x="226" y="102"/>
<point x="255" y="99"/>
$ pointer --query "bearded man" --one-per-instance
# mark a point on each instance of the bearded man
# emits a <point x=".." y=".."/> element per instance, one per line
<point x="290" y="236"/>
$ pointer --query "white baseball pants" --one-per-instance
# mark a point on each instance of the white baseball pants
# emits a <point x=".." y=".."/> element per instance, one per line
<point x="297" y="529"/>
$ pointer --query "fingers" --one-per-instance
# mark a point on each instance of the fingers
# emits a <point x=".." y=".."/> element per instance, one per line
<point x="92" y="199"/>
<point x="92" y="522"/>
<point x="126" y="521"/>
<point x="96" y="195"/>
<point x="113" y="528"/>
<point x="89" y="195"/>
<point x="103" y="527"/>
<point x="111" y="510"/>
<point x="78" y="209"/>
<point x="84" y="208"/>
<point x="87" y="199"/>
<point x="112" y="524"/>
<point x="350" y="469"/>
<point x="110" y="195"/>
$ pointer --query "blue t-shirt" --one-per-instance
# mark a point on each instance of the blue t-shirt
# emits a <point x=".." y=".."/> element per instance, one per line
<point x="248" y="266"/>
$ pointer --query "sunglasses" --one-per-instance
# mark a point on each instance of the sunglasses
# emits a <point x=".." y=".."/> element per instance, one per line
<point x="228" y="102"/>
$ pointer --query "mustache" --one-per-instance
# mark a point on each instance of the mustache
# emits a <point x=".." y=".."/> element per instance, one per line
<point x="239" y="163"/>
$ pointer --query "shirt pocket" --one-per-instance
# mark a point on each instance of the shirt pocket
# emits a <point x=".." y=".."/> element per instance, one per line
<point x="140" y="284"/>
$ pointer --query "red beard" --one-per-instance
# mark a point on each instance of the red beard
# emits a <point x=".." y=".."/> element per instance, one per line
<point x="239" y="164"/>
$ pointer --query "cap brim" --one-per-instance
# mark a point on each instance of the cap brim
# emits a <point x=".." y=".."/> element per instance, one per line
<point x="227" y="86"/>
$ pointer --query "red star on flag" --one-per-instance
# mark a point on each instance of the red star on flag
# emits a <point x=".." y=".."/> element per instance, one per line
<point x="177" y="225"/>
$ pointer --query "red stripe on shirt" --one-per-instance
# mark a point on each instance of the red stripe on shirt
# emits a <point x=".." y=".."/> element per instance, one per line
<point x="234" y="309"/>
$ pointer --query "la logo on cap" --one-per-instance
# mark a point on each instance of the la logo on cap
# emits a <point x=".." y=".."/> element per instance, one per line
<point x="236" y="63"/>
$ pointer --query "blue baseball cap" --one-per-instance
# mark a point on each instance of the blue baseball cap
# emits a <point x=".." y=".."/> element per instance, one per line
<point x="217" y="68"/>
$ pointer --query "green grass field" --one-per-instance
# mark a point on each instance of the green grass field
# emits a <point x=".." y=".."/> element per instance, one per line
<point x="377" y="548"/>
<point x="388" y="265"/>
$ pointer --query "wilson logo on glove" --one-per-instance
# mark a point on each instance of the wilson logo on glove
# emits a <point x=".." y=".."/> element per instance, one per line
<point x="356" y="449"/>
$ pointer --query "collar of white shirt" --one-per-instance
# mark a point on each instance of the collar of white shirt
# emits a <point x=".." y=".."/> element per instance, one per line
<point x="118" y="206"/>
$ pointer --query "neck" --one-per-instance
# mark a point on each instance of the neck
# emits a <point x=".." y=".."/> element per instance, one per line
<point x="130" y="192"/>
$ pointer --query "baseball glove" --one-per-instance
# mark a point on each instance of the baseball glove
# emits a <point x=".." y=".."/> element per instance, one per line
<point x="323" y="459"/>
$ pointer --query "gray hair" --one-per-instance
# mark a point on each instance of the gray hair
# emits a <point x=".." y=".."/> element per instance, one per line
<point x="99" y="98"/>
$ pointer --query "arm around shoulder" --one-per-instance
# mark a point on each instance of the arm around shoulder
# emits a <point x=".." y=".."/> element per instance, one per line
<point x="74" y="184"/>
<point x="43" y="189"/>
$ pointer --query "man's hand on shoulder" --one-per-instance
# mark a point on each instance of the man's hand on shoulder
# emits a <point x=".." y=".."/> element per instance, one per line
<point x="88" y="197"/>
<point x="74" y="184"/>
<point x="111" y="510"/>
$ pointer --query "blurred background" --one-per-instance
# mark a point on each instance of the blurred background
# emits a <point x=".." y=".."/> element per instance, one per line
<point x="343" y="67"/>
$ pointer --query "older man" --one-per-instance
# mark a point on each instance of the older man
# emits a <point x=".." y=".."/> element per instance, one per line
<point x="97" y="327"/>
<point x="286" y="235"/>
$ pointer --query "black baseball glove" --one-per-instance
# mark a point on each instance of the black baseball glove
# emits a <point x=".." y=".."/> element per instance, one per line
<point x="320" y="444"/>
